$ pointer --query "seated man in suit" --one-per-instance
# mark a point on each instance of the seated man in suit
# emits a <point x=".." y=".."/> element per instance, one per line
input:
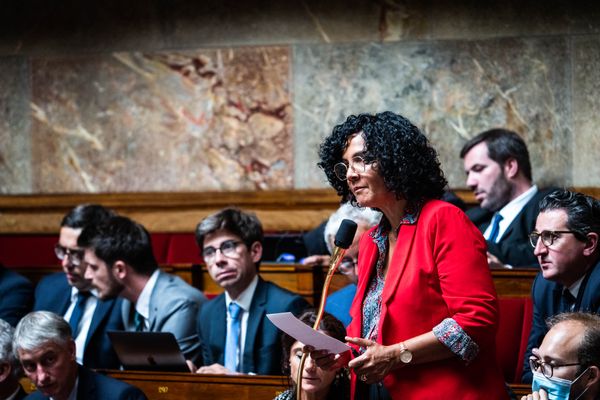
<point x="565" y="241"/>
<point x="120" y="262"/>
<point x="499" y="173"/>
<point x="16" y="296"/>
<point x="10" y="368"/>
<point x="339" y="302"/>
<point x="236" y="333"/>
<point x="46" y="349"/>
<point x="567" y="364"/>
<point x="69" y="294"/>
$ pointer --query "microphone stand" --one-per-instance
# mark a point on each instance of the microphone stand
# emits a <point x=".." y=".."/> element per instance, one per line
<point x="338" y="254"/>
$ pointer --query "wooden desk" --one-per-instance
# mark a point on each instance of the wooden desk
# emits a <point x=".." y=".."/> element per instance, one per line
<point x="176" y="385"/>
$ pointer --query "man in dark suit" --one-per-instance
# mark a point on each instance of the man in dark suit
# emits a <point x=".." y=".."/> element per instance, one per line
<point x="10" y="368"/>
<point x="566" y="244"/>
<point x="236" y="333"/>
<point x="499" y="173"/>
<point x="16" y="296"/>
<point x="120" y="262"/>
<point x="69" y="294"/>
<point x="46" y="350"/>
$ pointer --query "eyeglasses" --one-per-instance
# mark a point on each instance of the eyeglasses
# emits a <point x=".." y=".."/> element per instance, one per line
<point x="228" y="248"/>
<point x="548" y="237"/>
<point x="347" y="266"/>
<point x="545" y="368"/>
<point x="75" y="255"/>
<point x="358" y="164"/>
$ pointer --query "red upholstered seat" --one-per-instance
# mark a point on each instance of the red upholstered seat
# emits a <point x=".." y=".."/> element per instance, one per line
<point x="513" y="332"/>
<point x="28" y="250"/>
<point x="183" y="249"/>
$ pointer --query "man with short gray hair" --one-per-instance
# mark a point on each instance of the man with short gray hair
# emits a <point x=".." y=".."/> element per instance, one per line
<point x="10" y="369"/>
<point x="46" y="349"/>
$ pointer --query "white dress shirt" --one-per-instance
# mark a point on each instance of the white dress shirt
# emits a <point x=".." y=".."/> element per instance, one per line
<point x="86" y="320"/>
<point x="142" y="305"/>
<point x="510" y="211"/>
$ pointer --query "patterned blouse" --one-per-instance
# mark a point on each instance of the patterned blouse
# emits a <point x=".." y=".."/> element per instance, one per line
<point x="448" y="331"/>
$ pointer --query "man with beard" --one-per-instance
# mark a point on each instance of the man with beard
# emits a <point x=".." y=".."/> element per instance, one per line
<point x="565" y="242"/>
<point x="120" y="262"/>
<point x="499" y="173"/>
<point x="70" y="295"/>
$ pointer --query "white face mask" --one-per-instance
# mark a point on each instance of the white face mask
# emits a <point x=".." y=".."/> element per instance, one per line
<point x="557" y="388"/>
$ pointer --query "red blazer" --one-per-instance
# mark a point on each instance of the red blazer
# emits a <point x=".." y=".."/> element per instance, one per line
<point x="439" y="270"/>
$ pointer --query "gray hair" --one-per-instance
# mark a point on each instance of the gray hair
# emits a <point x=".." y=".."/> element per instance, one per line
<point x="365" y="216"/>
<point x="38" y="328"/>
<point x="6" y="352"/>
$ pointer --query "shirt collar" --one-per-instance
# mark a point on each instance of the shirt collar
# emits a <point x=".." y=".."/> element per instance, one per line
<point x="384" y="227"/>
<point x="510" y="210"/>
<point x="142" y="305"/>
<point x="75" y="292"/>
<point x="245" y="298"/>
<point x="574" y="288"/>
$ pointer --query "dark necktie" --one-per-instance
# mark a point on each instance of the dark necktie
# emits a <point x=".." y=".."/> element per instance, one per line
<point x="138" y="321"/>
<point x="567" y="301"/>
<point x="495" y="227"/>
<point x="77" y="313"/>
<point x="233" y="337"/>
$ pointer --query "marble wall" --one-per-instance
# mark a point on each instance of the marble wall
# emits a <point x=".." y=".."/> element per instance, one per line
<point x="186" y="96"/>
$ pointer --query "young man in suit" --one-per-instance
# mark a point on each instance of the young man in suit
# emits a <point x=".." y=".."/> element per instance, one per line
<point x="236" y="333"/>
<point x="10" y="368"/>
<point x="120" y="262"/>
<point x="46" y="350"/>
<point x="69" y="294"/>
<point x="499" y="173"/>
<point x="16" y="296"/>
<point x="565" y="242"/>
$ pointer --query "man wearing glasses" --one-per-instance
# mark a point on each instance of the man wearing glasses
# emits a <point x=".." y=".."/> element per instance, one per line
<point x="565" y="242"/>
<point x="567" y="364"/>
<point x="233" y="326"/>
<point x="70" y="295"/>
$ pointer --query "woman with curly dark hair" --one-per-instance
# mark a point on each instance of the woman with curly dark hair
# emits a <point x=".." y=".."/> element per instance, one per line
<point x="425" y="313"/>
<point x="317" y="384"/>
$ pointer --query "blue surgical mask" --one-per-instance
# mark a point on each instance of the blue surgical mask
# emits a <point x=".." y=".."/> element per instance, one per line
<point x="557" y="388"/>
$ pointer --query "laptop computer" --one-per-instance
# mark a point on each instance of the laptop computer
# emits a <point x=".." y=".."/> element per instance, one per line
<point x="148" y="351"/>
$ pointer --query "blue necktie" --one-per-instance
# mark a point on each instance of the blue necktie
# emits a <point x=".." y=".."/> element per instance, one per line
<point x="138" y="321"/>
<point x="78" y="312"/>
<point x="233" y="337"/>
<point x="495" y="227"/>
<point x="567" y="301"/>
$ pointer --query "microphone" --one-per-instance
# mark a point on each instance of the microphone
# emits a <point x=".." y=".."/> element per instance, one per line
<point x="343" y="239"/>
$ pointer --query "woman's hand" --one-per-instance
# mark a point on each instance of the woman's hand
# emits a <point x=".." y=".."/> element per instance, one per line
<point x="326" y="360"/>
<point x="376" y="362"/>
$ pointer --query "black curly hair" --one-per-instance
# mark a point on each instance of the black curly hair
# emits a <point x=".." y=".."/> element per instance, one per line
<point x="404" y="157"/>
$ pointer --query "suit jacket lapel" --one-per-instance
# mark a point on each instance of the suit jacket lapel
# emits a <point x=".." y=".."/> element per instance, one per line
<point x="255" y="318"/>
<point x="86" y="389"/>
<point x="102" y="309"/>
<point x="161" y="281"/>
<point x="219" y="332"/>
<point x="399" y="261"/>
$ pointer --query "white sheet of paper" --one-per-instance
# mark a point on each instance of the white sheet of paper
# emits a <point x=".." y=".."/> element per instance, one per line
<point x="305" y="334"/>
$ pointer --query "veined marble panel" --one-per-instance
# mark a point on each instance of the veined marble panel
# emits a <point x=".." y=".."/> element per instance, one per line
<point x="15" y="144"/>
<point x="451" y="89"/>
<point x="172" y="121"/>
<point x="586" y="111"/>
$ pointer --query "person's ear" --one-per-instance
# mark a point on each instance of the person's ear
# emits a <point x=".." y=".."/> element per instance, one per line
<point x="256" y="251"/>
<point x="71" y="349"/>
<point x="119" y="269"/>
<point x="593" y="375"/>
<point x="511" y="168"/>
<point x="591" y="244"/>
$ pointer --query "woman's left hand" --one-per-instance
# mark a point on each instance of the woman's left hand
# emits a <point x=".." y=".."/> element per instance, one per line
<point x="376" y="362"/>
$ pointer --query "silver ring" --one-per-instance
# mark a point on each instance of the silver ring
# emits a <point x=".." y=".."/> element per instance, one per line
<point x="363" y="378"/>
